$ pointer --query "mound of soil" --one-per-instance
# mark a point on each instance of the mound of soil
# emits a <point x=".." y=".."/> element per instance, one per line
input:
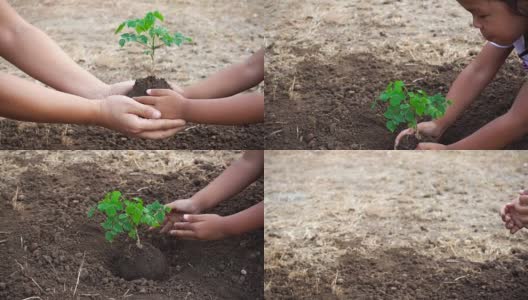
<point x="48" y="234"/>
<point x="134" y="263"/>
<point x="142" y="85"/>
<point x="326" y="104"/>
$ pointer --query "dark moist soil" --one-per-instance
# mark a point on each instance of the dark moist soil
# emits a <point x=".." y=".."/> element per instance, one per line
<point x="76" y="137"/>
<point x="13" y="136"/>
<point x="411" y="141"/>
<point x="401" y="273"/>
<point x="133" y="262"/>
<point x="45" y="240"/>
<point x="331" y="103"/>
<point x="142" y="85"/>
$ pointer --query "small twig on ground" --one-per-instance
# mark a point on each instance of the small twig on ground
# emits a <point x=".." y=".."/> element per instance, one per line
<point x="79" y="274"/>
<point x="187" y="129"/>
<point x="14" y="199"/>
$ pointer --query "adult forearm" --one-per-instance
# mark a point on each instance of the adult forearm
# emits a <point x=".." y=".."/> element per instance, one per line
<point x="35" y="53"/>
<point x="246" y="220"/>
<point x="235" y="110"/>
<point x="27" y="101"/>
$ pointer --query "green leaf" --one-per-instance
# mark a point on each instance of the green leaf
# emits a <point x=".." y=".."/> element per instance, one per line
<point x="391" y="126"/>
<point x="143" y="39"/>
<point x="134" y="211"/>
<point x="159" y="16"/>
<point x="109" y="236"/>
<point x="120" y="27"/>
<point x="133" y="233"/>
<point x="115" y="196"/>
<point x="91" y="212"/>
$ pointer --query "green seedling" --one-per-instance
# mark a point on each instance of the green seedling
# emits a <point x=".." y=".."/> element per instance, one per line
<point x="149" y="35"/>
<point x="406" y="107"/>
<point x="125" y="216"/>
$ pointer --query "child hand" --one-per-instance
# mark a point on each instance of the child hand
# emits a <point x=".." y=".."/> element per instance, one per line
<point x="200" y="227"/>
<point x="125" y="115"/>
<point x="178" y="208"/>
<point x="431" y="129"/>
<point x="170" y="103"/>
<point x="515" y="214"/>
<point x="431" y="146"/>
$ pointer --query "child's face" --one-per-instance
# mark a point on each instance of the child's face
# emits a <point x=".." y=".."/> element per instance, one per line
<point x="496" y="21"/>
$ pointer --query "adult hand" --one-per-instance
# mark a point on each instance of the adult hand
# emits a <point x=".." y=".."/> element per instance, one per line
<point x="127" y="116"/>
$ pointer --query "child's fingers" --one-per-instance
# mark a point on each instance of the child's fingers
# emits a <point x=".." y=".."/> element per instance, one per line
<point x="147" y="100"/>
<point x="523" y="200"/>
<point x="405" y="132"/>
<point x="183" y="226"/>
<point x="160" y="92"/>
<point x="520" y="209"/>
<point x="183" y="234"/>
<point x="503" y="213"/>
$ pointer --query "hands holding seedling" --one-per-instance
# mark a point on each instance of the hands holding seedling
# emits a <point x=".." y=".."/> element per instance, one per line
<point x="170" y="103"/>
<point x="125" y="115"/>
<point x="185" y="222"/>
<point x="405" y="107"/>
<point x="431" y="129"/>
<point x="515" y="214"/>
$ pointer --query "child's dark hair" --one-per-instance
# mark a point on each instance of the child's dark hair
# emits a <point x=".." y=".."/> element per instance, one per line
<point x="519" y="7"/>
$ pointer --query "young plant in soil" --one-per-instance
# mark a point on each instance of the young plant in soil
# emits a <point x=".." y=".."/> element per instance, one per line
<point x="126" y="216"/>
<point x="407" y="107"/>
<point x="151" y="36"/>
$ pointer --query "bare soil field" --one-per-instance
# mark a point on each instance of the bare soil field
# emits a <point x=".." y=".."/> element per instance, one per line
<point x="393" y="225"/>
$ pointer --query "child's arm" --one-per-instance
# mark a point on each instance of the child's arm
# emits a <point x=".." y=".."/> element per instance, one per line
<point x="239" y="175"/>
<point x="215" y="227"/>
<point x="246" y="108"/>
<point x="501" y="131"/>
<point x="229" y="81"/>
<point x="465" y="89"/>
<point x="32" y="51"/>
<point x="26" y="101"/>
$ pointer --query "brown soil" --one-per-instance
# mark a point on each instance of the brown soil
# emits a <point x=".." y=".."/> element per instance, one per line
<point x="327" y="104"/>
<point x="411" y="141"/>
<point x="142" y="85"/>
<point x="401" y="273"/>
<point x="14" y="136"/>
<point x="393" y="225"/>
<point x="45" y="231"/>
<point x="133" y="263"/>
